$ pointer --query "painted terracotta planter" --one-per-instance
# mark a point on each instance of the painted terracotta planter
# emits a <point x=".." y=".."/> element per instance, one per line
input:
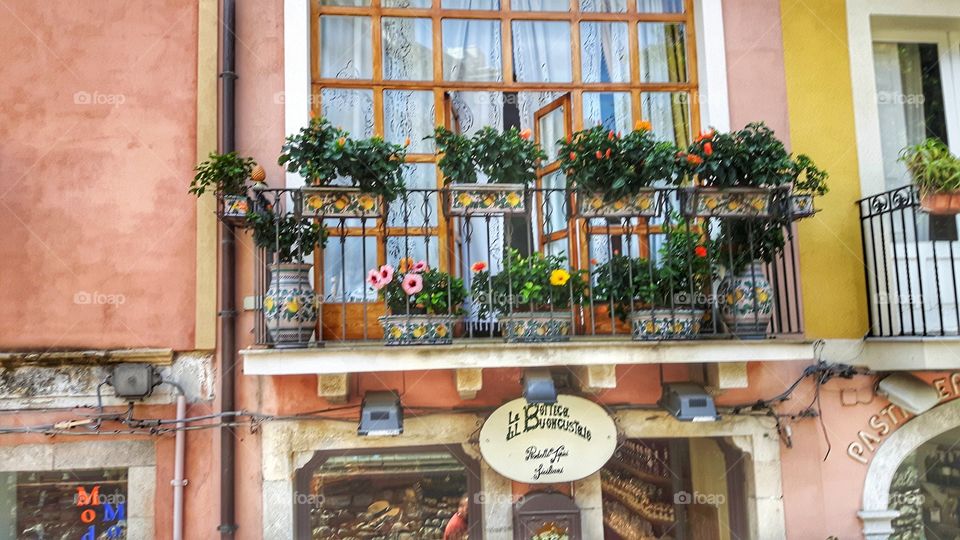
<point x="234" y="207"/>
<point x="941" y="204"/>
<point x="801" y="206"/>
<point x="536" y="327"/>
<point x="340" y="202"/>
<point x="483" y="199"/>
<point x="290" y="305"/>
<point x="746" y="302"/>
<point x="726" y="202"/>
<point x="641" y="204"/>
<point x="418" y="329"/>
<point x="664" y="323"/>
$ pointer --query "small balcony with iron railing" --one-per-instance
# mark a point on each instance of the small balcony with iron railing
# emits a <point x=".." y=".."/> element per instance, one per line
<point x="634" y="277"/>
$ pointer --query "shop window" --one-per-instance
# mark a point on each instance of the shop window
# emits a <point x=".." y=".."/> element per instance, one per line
<point x="403" y="494"/>
<point x="64" y="504"/>
<point x="926" y="490"/>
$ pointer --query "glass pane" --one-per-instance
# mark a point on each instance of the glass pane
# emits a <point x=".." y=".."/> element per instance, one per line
<point x="49" y="504"/>
<point x="346" y="260"/>
<point x="611" y="109"/>
<point x="348" y="3"/>
<point x="924" y="490"/>
<point x="418" y="248"/>
<point x="409" y="114"/>
<point x="669" y="112"/>
<point x="407" y="49"/>
<point x="551" y="131"/>
<point x="471" y="50"/>
<point x="470" y="4"/>
<point x="419" y="206"/>
<point x="406" y="3"/>
<point x="660" y="6"/>
<point x="541" y="51"/>
<point x="540" y="5"/>
<point x="349" y="109"/>
<point x="473" y="110"/>
<point x="555" y="207"/>
<point x="345" y="47"/>
<point x="604" y="6"/>
<point x="662" y="52"/>
<point x="605" y="52"/>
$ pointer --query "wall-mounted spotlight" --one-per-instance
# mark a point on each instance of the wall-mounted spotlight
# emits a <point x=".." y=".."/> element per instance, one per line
<point x="380" y="415"/>
<point x="538" y="386"/>
<point x="688" y="402"/>
<point x="909" y="392"/>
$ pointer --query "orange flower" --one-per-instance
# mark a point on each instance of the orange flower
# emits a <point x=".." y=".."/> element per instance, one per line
<point x="406" y="142"/>
<point x="708" y="149"/>
<point x="643" y="125"/>
<point x="405" y="264"/>
<point x="568" y="139"/>
<point x="611" y="135"/>
<point x="525" y="134"/>
<point x="706" y="135"/>
<point x="341" y="141"/>
<point x="479" y="266"/>
<point x="608" y="153"/>
<point x="593" y="262"/>
<point x="700" y="251"/>
<point x="573" y="156"/>
<point x="694" y="159"/>
<point x="599" y="154"/>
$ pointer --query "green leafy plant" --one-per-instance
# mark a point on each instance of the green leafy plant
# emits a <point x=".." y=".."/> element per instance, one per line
<point x="226" y="174"/>
<point x="505" y="158"/>
<point x="533" y="283"/>
<point x="321" y="153"/>
<point x="601" y="161"/>
<point x="808" y="179"/>
<point x="933" y="168"/>
<point x="750" y="157"/>
<point x="415" y="288"/>
<point x="625" y="282"/>
<point x="290" y="238"/>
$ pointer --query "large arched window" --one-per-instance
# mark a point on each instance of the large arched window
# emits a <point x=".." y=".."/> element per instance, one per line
<point x="926" y="490"/>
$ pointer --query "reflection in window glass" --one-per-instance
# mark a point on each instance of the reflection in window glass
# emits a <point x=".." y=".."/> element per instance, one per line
<point x="603" y="6"/>
<point x="605" y="52"/>
<point x="409" y="114"/>
<point x="611" y="109"/>
<point x="411" y="495"/>
<point x="471" y="50"/>
<point x="348" y="3"/>
<point x="662" y="52"/>
<point x="669" y="113"/>
<point x="541" y="51"/>
<point x="470" y="4"/>
<point x="407" y="49"/>
<point x="660" y="6"/>
<point x="345" y="47"/>
<point x="551" y="131"/>
<point x="417" y="208"/>
<point x="422" y="4"/>
<point x="346" y="260"/>
<point x="924" y="490"/>
<point x="540" y="5"/>
<point x="349" y="109"/>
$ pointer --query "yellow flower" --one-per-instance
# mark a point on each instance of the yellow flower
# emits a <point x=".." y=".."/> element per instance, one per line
<point x="559" y="277"/>
<point x="396" y="332"/>
<point x="465" y="199"/>
<point x="419" y="331"/>
<point x="341" y="203"/>
<point x="366" y="202"/>
<point x="293" y="306"/>
<point x="513" y="199"/>
<point x="441" y="330"/>
<point x="268" y="303"/>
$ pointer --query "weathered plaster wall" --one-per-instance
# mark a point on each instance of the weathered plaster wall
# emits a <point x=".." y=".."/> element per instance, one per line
<point x="97" y="141"/>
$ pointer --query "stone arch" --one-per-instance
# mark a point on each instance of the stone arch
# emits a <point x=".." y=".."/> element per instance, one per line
<point x="876" y="513"/>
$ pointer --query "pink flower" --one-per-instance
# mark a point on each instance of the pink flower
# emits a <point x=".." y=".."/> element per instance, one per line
<point x="420" y="267"/>
<point x="386" y="273"/>
<point x="412" y="283"/>
<point x="373" y="278"/>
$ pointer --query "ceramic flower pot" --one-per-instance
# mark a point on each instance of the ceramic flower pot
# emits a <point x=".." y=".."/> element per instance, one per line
<point x="418" y="329"/>
<point x="643" y="203"/>
<point x="726" y="202"/>
<point x="664" y="323"/>
<point x="483" y="199"/>
<point x="536" y="327"/>
<point x="234" y="207"/>
<point x="941" y="204"/>
<point x="801" y="206"/>
<point x="746" y="302"/>
<point x="340" y="202"/>
<point x="290" y="305"/>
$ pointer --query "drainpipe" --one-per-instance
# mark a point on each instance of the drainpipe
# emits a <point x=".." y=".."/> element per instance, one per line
<point x="228" y="312"/>
<point x="179" y="452"/>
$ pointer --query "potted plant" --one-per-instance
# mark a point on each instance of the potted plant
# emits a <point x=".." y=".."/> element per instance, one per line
<point x="425" y="303"/>
<point x="327" y="157"/>
<point x="614" y="175"/>
<point x="675" y="292"/>
<point x="745" y="297"/>
<point x="936" y="174"/>
<point x="532" y="296"/>
<point x="738" y="173"/>
<point x="809" y="183"/>
<point x="290" y="304"/>
<point x="620" y="285"/>
<point x="226" y="175"/>
<point x="509" y="161"/>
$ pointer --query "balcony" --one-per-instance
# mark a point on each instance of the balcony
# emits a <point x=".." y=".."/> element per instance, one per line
<point x="611" y="260"/>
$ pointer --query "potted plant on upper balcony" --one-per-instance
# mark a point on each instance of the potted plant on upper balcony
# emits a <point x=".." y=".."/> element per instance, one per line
<point x="509" y="161"/>
<point x="425" y="303"/>
<point x="328" y="158"/>
<point x="613" y="175"/>
<point x="532" y="296"/>
<point x="936" y="174"/>
<point x="809" y="183"/>
<point x="737" y="174"/>
<point x="290" y="304"/>
<point x="226" y="175"/>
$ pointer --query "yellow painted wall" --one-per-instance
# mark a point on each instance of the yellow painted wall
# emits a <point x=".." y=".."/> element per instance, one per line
<point x="207" y="40"/>
<point x="821" y="112"/>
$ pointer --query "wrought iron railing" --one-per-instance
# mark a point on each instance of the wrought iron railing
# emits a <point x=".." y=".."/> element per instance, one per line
<point x="911" y="260"/>
<point x="418" y="226"/>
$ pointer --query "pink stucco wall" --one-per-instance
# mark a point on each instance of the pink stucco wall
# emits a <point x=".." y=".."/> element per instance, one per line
<point x="97" y="142"/>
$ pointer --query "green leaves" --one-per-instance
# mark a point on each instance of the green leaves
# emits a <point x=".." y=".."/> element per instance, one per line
<point x="531" y="283"/>
<point x="510" y="157"/>
<point x="227" y="174"/>
<point x="290" y="238"/>
<point x="750" y="157"/>
<point x="441" y="294"/>
<point x="932" y="166"/>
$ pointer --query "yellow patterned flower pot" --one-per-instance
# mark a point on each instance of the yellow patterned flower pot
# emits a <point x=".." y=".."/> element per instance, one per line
<point x="643" y="203"/>
<point x="418" y="329"/>
<point x="485" y="199"/>
<point x="536" y="327"/>
<point x="233" y="208"/>
<point x="340" y="202"/>
<point x="727" y="202"/>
